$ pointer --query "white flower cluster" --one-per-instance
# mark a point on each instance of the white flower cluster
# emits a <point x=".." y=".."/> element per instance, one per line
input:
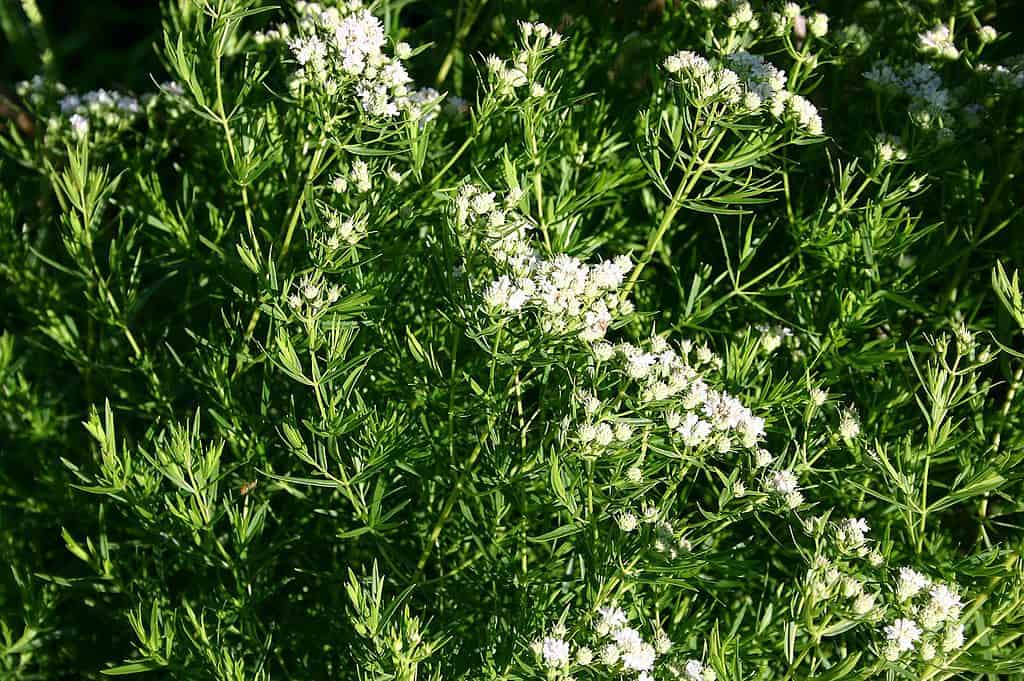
<point x="1003" y="77"/>
<point x="765" y="85"/>
<point x="786" y="486"/>
<point x="568" y="295"/>
<point x="616" y="647"/>
<point x="80" y="112"/>
<point x="625" y="648"/>
<point x="343" y="46"/>
<point x="792" y="18"/>
<point x="343" y="229"/>
<point x="665" y="539"/>
<point x="539" y="36"/>
<point x="503" y="230"/>
<point x="761" y="78"/>
<point x="938" y="42"/>
<point x="672" y="390"/>
<point x="774" y="336"/>
<point x="747" y="83"/>
<point x="837" y="584"/>
<point x="537" y="40"/>
<point x="928" y="618"/>
<point x="311" y="296"/>
<point x="695" y="670"/>
<point x="917" y="81"/>
<point x="838" y="579"/>
<point x="742" y="16"/>
<point x="704" y="82"/>
<point x="889" y="149"/>
<point x="852" y="535"/>
<point x="106" y="107"/>
<point x="94" y="110"/>
<point x="700" y="415"/>
<point x="849" y="424"/>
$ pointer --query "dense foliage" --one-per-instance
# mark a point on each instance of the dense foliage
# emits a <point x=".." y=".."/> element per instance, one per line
<point x="513" y="340"/>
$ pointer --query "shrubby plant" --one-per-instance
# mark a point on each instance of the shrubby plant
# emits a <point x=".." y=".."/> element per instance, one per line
<point x="516" y="340"/>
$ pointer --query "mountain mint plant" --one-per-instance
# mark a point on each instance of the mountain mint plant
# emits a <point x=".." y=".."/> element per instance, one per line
<point x="679" y="340"/>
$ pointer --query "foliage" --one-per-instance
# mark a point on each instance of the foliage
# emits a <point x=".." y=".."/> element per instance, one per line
<point x="670" y="340"/>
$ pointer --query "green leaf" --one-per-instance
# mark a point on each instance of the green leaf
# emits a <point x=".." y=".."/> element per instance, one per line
<point x="138" y="667"/>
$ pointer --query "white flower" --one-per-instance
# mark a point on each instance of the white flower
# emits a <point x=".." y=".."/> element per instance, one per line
<point x="627" y="522"/>
<point x="953" y="637"/>
<point x="938" y="41"/>
<point x="945" y="601"/>
<point x="784" y="482"/>
<point x="694" y="670"/>
<point x="864" y="604"/>
<point x="693" y="430"/>
<point x="79" y="125"/>
<point x="889" y="148"/>
<point x="849" y="426"/>
<point x="555" y="652"/>
<point x="360" y="174"/>
<point x="612" y="618"/>
<point x="497" y="295"/>
<point x="587" y="433"/>
<point x="623" y="431"/>
<point x="640" y="657"/>
<point x="482" y="203"/>
<point x="910" y="583"/>
<point x="804" y="114"/>
<point x="851" y="532"/>
<point x="604" y="352"/>
<point x="662" y="643"/>
<point x="818" y="24"/>
<point x="610" y="654"/>
<point x="903" y="633"/>
<point x="742" y="14"/>
<point x="627" y="638"/>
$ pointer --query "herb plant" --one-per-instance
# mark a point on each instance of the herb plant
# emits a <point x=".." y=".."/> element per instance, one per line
<point x="517" y="340"/>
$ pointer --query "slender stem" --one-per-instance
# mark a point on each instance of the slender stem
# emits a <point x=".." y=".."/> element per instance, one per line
<point x="293" y="220"/>
<point x="449" y="504"/>
<point x="222" y="115"/>
<point x="1011" y="394"/>
<point x="451" y="161"/>
<point x="682" y="191"/>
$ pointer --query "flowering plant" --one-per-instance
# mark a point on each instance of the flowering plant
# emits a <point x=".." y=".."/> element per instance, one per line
<point x="526" y="340"/>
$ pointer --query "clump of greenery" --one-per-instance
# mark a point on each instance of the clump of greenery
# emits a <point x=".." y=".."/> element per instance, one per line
<point x="517" y="340"/>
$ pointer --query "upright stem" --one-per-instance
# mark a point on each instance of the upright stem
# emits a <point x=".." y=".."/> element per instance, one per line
<point x="682" y="191"/>
<point x="449" y="504"/>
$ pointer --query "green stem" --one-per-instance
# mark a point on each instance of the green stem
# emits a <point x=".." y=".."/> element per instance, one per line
<point x="682" y="191"/>
<point x="449" y="504"/>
